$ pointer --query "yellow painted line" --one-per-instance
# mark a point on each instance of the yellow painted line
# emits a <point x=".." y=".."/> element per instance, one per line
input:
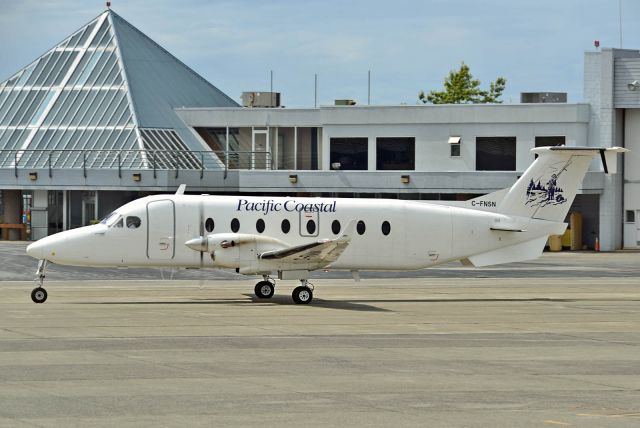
<point x="551" y="422"/>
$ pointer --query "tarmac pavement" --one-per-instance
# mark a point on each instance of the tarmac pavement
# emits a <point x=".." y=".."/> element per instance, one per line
<point x="555" y="342"/>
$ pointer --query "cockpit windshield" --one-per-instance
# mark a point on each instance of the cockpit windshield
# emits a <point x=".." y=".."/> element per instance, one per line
<point x="110" y="219"/>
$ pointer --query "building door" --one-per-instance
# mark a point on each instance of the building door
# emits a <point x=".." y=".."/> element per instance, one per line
<point x="161" y="230"/>
<point x="260" y="149"/>
<point x="309" y="223"/>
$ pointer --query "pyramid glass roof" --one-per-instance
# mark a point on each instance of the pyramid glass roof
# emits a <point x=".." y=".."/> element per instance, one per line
<point x="98" y="91"/>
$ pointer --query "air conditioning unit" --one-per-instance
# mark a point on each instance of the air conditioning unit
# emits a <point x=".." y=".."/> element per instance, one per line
<point x="543" y="97"/>
<point x="261" y="99"/>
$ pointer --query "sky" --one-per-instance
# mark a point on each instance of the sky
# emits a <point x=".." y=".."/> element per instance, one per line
<point x="408" y="45"/>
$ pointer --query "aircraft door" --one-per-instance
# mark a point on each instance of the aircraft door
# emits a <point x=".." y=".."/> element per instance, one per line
<point x="161" y="230"/>
<point x="309" y="223"/>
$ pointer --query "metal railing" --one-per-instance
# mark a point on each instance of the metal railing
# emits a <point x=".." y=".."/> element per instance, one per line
<point x="156" y="160"/>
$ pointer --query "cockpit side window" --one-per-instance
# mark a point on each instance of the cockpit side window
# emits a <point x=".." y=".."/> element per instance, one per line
<point x="118" y="223"/>
<point x="133" y="222"/>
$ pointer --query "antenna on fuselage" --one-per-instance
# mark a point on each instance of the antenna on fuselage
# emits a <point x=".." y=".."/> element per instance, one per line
<point x="181" y="189"/>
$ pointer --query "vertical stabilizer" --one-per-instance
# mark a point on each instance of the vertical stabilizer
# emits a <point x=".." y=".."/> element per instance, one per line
<point x="547" y="188"/>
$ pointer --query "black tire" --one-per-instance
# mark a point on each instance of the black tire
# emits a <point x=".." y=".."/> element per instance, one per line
<point x="39" y="295"/>
<point x="302" y="295"/>
<point x="264" y="290"/>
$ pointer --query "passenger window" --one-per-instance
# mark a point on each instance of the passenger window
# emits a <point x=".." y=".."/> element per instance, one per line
<point x="235" y="225"/>
<point x="119" y="223"/>
<point x="260" y="225"/>
<point x="386" y="228"/>
<point x="286" y="226"/>
<point x="311" y="227"/>
<point x="360" y="227"/>
<point x="133" y="222"/>
<point x="209" y="225"/>
<point x="335" y="227"/>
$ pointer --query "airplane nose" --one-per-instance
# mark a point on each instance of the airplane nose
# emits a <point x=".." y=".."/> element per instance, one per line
<point x="36" y="250"/>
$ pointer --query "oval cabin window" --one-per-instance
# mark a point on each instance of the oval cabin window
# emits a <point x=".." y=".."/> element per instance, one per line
<point x="260" y="225"/>
<point x="235" y="225"/>
<point x="286" y="226"/>
<point x="335" y="227"/>
<point x="209" y="225"/>
<point x="386" y="228"/>
<point x="361" y="227"/>
<point x="311" y="227"/>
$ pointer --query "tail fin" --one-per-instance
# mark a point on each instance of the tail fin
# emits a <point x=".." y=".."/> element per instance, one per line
<point x="547" y="188"/>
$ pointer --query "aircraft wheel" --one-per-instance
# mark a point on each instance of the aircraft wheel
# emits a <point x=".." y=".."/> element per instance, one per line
<point x="302" y="295"/>
<point x="264" y="289"/>
<point x="39" y="295"/>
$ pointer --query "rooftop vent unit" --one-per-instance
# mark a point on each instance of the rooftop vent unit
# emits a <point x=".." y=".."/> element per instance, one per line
<point x="543" y="97"/>
<point x="345" y="102"/>
<point x="261" y="99"/>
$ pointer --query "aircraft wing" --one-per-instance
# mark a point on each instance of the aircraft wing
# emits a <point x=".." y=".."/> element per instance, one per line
<point x="320" y="253"/>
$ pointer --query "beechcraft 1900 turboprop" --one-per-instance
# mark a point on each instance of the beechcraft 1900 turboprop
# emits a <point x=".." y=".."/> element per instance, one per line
<point x="293" y="236"/>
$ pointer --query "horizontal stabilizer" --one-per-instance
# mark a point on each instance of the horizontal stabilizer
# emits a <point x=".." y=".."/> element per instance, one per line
<point x="513" y="253"/>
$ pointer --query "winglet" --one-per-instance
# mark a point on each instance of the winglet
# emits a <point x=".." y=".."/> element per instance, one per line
<point x="181" y="189"/>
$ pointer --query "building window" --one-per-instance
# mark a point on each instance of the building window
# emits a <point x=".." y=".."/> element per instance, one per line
<point x="395" y="153"/>
<point x="550" y="141"/>
<point x="285" y="226"/>
<point x="495" y="153"/>
<point x="209" y="225"/>
<point x="260" y="225"/>
<point x="454" y="146"/>
<point x="235" y="225"/>
<point x="349" y="153"/>
<point x="630" y="216"/>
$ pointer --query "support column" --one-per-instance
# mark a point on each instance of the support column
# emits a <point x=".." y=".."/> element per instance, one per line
<point x="611" y="213"/>
<point x="65" y="209"/>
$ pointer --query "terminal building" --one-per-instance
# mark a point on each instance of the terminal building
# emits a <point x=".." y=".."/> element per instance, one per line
<point x="108" y="115"/>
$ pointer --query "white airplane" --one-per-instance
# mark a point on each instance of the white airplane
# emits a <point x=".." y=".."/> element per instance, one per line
<point x="293" y="236"/>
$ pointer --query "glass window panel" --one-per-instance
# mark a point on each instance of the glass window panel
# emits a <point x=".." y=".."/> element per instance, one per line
<point x="64" y="69"/>
<point x="89" y="67"/>
<point x="495" y="153"/>
<point x="12" y="80"/>
<point x="16" y="139"/>
<point x="106" y="109"/>
<point x="100" y="35"/>
<point x="57" y="62"/>
<point x="112" y="77"/>
<point x="90" y="107"/>
<point x="100" y="107"/>
<point x="395" y="153"/>
<point x="349" y="153"/>
<point x="78" y="70"/>
<point x="26" y="74"/>
<point x="42" y="69"/>
<point x="55" y="110"/>
<point x="100" y="65"/>
<point x="125" y="119"/>
<point x="72" y="115"/>
<point x="20" y="106"/>
<point x="119" y="111"/>
<point x="4" y="109"/>
<point x="34" y="111"/>
<point x="102" y="75"/>
<point x="87" y="33"/>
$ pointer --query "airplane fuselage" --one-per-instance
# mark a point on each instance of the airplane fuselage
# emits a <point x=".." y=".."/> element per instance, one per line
<point x="389" y="234"/>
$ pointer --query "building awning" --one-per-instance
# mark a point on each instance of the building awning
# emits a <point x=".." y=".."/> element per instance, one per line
<point x="454" y="140"/>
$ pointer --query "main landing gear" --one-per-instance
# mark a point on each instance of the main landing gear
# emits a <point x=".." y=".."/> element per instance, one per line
<point x="265" y="288"/>
<point x="301" y="295"/>
<point x="39" y="294"/>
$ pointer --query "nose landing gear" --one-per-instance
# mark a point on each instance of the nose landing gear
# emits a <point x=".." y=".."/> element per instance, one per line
<point x="39" y="294"/>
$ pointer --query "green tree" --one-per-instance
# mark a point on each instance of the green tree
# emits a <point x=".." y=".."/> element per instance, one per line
<point x="461" y="88"/>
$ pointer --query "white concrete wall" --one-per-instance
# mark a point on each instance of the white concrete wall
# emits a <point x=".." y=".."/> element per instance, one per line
<point x="632" y="176"/>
